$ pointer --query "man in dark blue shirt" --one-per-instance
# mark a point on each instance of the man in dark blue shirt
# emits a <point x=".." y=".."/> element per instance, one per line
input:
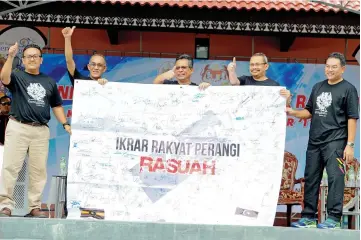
<point x="258" y="66"/>
<point x="333" y="108"/>
<point x="182" y="72"/>
<point x="33" y="94"/>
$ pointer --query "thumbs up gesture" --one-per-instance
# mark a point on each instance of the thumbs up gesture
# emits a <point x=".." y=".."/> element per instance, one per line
<point x="68" y="32"/>
<point x="13" y="50"/>
<point x="232" y="66"/>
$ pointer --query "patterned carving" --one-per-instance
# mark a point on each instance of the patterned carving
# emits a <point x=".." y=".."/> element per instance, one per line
<point x="224" y="25"/>
<point x="91" y="20"/>
<point x="262" y="26"/>
<point x="82" y="19"/>
<point x="206" y="24"/>
<point x="347" y="29"/>
<point x="129" y="21"/>
<point x="271" y="26"/>
<point x="101" y="20"/>
<point x="15" y="16"/>
<point x="214" y="24"/>
<point x="357" y="29"/>
<point x="168" y="23"/>
<point x="289" y="27"/>
<point x="196" y="24"/>
<point x="186" y="23"/>
<point x="328" y="28"/>
<point x="337" y="28"/>
<point x="242" y="25"/>
<point x="300" y="27"/>
<point x="287" y="194"/>
<point x="252" y="26"/>
<point x="177" y="23"/>
<point x="309" y="28"/>
<point x="63" y="18"/>
<point x="319" y="28"/>
<point x="233" y="25"/>
<point x="111" y="20"/>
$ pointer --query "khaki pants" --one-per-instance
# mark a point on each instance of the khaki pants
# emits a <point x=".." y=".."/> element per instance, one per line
<point x="19" y="138"/>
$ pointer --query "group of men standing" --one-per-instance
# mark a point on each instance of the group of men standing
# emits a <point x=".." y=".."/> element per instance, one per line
<point x="331" y="137"/>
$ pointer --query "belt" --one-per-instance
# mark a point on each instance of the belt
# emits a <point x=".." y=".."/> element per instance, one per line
<point x="35" y="124"/>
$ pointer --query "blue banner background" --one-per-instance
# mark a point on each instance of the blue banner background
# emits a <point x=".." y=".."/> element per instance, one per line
<point x="298" y="78"/>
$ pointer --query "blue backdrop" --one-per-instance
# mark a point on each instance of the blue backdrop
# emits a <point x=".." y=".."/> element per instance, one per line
<point x="298" y="78"/>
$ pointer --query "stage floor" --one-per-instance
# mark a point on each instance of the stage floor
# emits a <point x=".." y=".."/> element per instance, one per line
<point x="61" y="229"/>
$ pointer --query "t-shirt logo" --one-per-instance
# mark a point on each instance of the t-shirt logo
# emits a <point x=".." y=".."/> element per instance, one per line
<point x="37" y="93"/>
<point x="324" y="100"/>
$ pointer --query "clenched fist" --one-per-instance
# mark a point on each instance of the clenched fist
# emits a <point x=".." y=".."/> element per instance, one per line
<point x="68" y="32"/>
<point x="13" y="50"/>
<point x="232" y="66"/>
<point x="169" y="74"/>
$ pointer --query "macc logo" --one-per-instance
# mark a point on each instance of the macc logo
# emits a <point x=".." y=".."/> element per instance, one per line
<point x="37" y="92"/>
<point x="323" y="101"/>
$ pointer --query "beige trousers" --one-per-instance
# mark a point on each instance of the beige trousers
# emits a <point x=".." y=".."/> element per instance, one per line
<point x="19" y="138"/>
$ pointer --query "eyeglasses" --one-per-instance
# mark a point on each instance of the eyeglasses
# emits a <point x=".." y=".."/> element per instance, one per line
<point x="6" y="103"/>
<point x="181" y="67"/>
<point x="333" y="67"/>
<point x="93" y="64"/>
<point x="36" y="57"/>
<point x="256" y="64"/>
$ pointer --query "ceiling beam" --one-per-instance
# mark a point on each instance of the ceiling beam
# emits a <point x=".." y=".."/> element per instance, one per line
<point x="22" y="5"/>
<point x="340" y="6"/>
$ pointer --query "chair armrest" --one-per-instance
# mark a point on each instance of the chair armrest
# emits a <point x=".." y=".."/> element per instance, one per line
<point x="300" y="180"/>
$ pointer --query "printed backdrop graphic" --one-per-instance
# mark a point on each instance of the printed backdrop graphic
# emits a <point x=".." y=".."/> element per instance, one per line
<point x="298" y="78"/>
<point x="163" y="156"/>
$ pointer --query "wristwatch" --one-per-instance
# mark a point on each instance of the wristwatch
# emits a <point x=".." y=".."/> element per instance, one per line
<point x="64" y="124"/>
<point x="351" y="144"/>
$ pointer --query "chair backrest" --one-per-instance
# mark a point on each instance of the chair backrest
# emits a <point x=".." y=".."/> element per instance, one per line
<point x="349" y="193"/>
<point x="356" y="166"/>
<point x="290" y="164"/>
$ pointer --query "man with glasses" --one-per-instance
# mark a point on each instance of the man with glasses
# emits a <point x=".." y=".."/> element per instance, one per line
<point x="182" y="72"/>
<point x="34" y="93"/>
<point x="5" y="103"/>
<point x="97" y="65"/>
<point x="333" y="108"/>
<point x="258" y="66"/>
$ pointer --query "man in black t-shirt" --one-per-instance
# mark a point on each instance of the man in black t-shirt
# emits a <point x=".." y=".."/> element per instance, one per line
<point x="333" y="109"/>
<point x="97" y="64"/>
<point x="33" y="94"/>
<point x="182" y="72"/>
<point x="258" y="66"/>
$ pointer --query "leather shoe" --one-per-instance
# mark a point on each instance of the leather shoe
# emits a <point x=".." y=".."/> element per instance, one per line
<point x="5" y="212"/>
<point x="36" y="213"/>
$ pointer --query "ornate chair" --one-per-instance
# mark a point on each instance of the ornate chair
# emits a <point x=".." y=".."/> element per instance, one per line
<point x="288" y="195"/>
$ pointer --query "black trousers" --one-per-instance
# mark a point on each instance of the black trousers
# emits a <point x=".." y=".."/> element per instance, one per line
<point x="329" y="155"/>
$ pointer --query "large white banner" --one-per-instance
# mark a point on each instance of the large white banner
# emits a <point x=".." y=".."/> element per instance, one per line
<point x="168" y="153"/>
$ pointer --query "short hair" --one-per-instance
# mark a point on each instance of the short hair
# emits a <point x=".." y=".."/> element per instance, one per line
<point x="186" y="56"/>
<point x="32" y="46"/>
<point x="99" y="55"/>
<point x="4" y="97"/>
<point x="265" y="59"/>
<point x="338" y="56"/>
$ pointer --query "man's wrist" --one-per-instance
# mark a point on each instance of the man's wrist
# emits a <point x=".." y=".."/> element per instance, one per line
<point x="351" y="144"/>
<point x="65" y="124"/>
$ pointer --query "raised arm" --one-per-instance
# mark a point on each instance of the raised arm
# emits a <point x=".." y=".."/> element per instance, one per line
<point x="70" y="64"/>
<point x="164" y="76"/>
<point x="233" y="79"/>
<point x="7" y="68"/>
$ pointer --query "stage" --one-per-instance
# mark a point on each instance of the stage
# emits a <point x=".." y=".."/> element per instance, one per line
<point x="61" y="229"/>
